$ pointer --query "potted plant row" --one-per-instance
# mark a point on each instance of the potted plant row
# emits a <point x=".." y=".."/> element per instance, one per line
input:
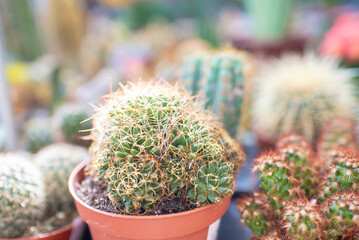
<point x="160" y="167"/>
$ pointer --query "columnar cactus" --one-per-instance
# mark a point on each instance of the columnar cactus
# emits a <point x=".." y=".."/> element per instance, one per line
<point x="219" y="79"/>
<point x="256" y="213"/>
<point x="56" y="162"/>
<point x="300" y="93"/>
<point x="341" y="215"/>
<point x="70" y="121"/>
<point x="150" y="143"/>
<point x="302" y="220"/>
<point x="22" y="194"/>
<point x="37" y="134"/>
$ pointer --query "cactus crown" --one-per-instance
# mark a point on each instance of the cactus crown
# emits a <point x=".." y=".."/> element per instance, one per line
<point x="150" y="143"/>
<point x="219" y="80"/>
<point x="306" y="201"/>
<point x="300" y="93"/>
<point x="22" y="195"/>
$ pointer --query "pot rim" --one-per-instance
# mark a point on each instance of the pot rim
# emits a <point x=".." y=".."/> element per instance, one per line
<point x="43" y="235"/>
<point x="80" y="167"/>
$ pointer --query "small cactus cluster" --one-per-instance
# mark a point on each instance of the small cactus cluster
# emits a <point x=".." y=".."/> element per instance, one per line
<point x="22" y="192"/>
<point x="303" y="198"/>
<point x="56" y="161"/>
<point x="150" y="143"/>
<point x="70" y="121"/>
<point x="300" y="93"/>
<point x="219" y="79"/>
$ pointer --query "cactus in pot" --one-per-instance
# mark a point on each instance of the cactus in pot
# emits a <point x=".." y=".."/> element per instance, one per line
<point x="22" y="193"/>
<point x="151" y="143"/>
<point x="300" y="94"/>
<point x="56" y="161"/>
<point x="219" y="79"/>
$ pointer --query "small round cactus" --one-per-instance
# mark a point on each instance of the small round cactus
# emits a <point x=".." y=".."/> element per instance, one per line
<point x="219" y="80"/>
<point x="151" y="143"/>
<point x="341" y="215"/>
<point x="255" y="212"/>
<point x="37" y="134"/>
<point x="302" y="220"/>
<point x="56" y="162"/>
<point x="70" y="121"/>
<point x="22" y="194"/>
<point x="300" y="94"/>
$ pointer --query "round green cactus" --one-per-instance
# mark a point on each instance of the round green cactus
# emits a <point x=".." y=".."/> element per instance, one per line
<point x="342" y="175"/>
<point x="302" y="220"/>
<point x="255" y="212"/>
<point x="22" y="194"/>
<point x="37" y="134"/>
<point x="341" y="215"/>
<point x="219" y="79"/>
<point x="56" y="162"/>
<point x="71" y="121"/>
<point x="151" y="143"/>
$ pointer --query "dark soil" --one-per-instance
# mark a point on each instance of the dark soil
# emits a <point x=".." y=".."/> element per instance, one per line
<point x="94" y="195"/>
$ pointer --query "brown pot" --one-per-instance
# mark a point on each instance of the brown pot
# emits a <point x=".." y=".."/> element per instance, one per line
<point x="190" y="225"/>
<point x="61" y="234"/>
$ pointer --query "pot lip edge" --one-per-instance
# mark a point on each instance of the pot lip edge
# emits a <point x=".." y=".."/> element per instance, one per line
<point x="82" y="165"/>
<point x="44" y="235"/>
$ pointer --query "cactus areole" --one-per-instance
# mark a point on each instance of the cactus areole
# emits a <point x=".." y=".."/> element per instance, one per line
<point x="150" y="144"/>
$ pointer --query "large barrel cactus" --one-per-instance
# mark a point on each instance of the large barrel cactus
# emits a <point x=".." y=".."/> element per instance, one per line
<point x="22" y="192"/>
<point x="151" y="143"/>
<point x="219" y="80"/>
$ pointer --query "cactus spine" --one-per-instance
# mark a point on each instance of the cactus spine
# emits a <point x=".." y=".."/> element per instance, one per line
<point x="219" y="80"/>
<point x="151" y="143"/>
<point x="22" y="195"/>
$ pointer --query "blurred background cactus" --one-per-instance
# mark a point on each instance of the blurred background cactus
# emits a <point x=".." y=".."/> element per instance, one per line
<point x="23" y="196"/>
<point x="219" y="80"/>
<point x="37" y="133"/>
<point x="153" y="135"/>
<point x="300" y="94"/>
<point x="70" y="122"/>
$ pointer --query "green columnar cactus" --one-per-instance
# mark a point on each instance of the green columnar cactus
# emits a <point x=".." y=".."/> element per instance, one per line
<point x="151" y="143"/>
<point x="341" y="215"/>
<point x="37" y="134"/>
<point x="22" y="194"/>
<point x="301" y="161"/>
<point x="339" y="133"/>
<point x="255" y="212"/>
<point x="300" y="93"/>
<point x="219" y="80"/>
<point x="70" y="121"/>
<point x="56" y="162"/>
<point x="302" y="220"/>
<point x="276" y="182"/>
<point x="342" y="175"/>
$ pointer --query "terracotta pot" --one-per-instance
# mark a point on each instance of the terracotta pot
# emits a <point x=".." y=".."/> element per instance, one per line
<point x="61" y="234"/>
<point x="190" y="225"/>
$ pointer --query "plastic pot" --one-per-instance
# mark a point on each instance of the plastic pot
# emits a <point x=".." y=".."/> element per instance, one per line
<point x="61" y="234"/>
<point x="189" y="225"/>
